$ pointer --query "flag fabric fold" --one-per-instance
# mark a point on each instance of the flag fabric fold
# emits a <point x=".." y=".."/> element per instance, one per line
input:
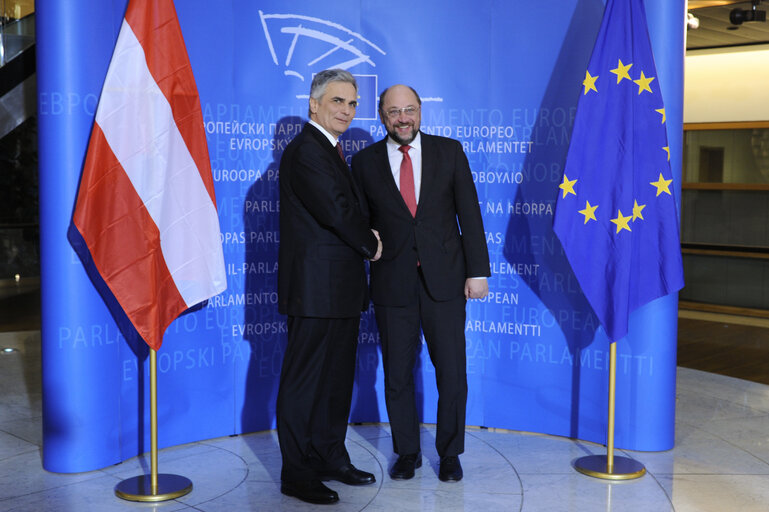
<point x="616" y="213"/>
<point x="146" y="207"/>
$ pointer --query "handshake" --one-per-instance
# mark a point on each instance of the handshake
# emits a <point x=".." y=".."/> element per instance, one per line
<point x="378" y="245"/>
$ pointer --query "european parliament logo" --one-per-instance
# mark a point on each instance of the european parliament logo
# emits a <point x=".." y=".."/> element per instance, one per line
<point x="304" y="45"/>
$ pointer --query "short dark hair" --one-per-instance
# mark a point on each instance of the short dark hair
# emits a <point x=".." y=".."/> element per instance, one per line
<point x="382" y="96"/>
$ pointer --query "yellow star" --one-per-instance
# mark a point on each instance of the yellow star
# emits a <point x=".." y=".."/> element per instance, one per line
<point x="589" y="212"/>
<point x="637" y="209"/>
<point x="621" y="71"/>
<point x="621" y="222"/>
<point x="567" y="186"/>
<point x="589" y="82"/>
<point x="661" y="111"/>
<point x="662" y="185"/>
<point x="643" y="83"/>
<point x="667" y="150"/>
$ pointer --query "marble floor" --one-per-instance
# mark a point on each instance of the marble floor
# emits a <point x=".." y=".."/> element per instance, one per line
<point x="720" y="462"/>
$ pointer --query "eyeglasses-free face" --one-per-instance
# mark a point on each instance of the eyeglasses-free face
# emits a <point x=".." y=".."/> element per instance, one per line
<point x="336" y="108"/>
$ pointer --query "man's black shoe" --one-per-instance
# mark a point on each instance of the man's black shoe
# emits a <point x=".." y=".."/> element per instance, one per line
<point x="311" y="491"/>
<point x="450" y="469"/>
<point x="404" y="467"/>
<point x="348" y="474"/>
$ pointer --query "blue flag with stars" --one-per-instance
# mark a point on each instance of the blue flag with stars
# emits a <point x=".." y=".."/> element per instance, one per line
<point x="616" y="213"/>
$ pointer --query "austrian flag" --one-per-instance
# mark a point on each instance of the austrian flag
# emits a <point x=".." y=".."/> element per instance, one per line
<point x="146" y="208"/>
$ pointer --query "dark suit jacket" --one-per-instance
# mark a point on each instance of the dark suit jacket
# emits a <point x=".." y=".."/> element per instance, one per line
<point x="324" y="236"/>
<point x="448" y="201"/>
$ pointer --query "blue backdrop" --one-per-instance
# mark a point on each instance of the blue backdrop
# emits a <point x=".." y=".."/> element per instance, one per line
<point x="501" y="77"/>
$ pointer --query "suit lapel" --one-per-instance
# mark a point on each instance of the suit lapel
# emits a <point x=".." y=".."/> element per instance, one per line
<point x="429" y="169"/>
<point x="386" y="175"/>
<point x="331" y="150"/>
<point x="382" y="164"/>
<point x="345" y="170"/>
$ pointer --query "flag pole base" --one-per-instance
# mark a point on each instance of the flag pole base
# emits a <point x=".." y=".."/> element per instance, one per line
<point x="597" y="467"/>
<point x="139" y="488"/>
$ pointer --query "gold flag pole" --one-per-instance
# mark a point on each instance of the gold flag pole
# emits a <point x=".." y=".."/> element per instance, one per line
<point x="608" y="466"/>
<point x="158" y="487"/>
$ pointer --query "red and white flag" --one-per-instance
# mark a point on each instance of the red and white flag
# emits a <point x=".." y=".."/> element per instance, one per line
<point x="146" y="207"/>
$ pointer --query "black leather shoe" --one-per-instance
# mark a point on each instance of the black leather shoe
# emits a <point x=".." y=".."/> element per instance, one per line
<point x="450" y="469"/>
<point x="311" y="491"/>
<point x="404" y="467"/>
<point x="348" y="474"/>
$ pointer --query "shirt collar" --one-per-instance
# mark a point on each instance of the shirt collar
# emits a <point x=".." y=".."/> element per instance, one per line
<point x="416" y="143"/>
<point x="333" y="140"/>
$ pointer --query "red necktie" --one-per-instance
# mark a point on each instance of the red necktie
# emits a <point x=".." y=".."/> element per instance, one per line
<point x="341" y="153"/>
<point x="407" y="181"/>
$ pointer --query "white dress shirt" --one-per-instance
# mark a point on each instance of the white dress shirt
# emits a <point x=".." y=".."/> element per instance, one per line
<point x="396" y="157"/>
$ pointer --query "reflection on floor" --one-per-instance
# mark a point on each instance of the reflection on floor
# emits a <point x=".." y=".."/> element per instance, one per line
<point x="725" y="344"/>
<point x="720" y="461"/>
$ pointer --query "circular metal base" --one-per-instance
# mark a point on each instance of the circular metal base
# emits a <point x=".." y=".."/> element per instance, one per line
<point x="624" y="468"/>
<point x="139" y="488"/>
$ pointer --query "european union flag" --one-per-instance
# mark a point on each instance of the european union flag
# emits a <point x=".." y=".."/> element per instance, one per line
<point x="367" y="97"/>
<point x="616" y="213"/>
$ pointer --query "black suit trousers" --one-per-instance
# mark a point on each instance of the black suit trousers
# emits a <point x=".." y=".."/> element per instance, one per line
<point x="313" y="405"/>
<point x="443" y="325"/>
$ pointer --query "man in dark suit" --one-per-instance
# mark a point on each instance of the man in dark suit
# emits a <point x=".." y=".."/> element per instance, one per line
<point x="419" y="193"/>
<point x="324" y="238"/>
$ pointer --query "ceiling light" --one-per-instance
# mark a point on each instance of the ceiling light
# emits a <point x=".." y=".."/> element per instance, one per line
<point x="692" y="21"/>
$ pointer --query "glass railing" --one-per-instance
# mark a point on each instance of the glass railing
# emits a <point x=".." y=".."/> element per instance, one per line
<point x="725" y="217"/>
<point x="19" y="233"/>
<point x="17" y="28"/>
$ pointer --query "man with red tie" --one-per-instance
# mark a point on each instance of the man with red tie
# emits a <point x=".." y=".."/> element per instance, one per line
<point x="419" y="194"/>
<point x="324" y="239"/>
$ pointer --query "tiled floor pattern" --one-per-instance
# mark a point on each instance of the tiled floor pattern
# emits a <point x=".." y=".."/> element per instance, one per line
<point x="720" y="462"/>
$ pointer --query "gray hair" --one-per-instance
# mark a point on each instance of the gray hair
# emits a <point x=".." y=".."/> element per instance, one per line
<point x="321" y="80"/>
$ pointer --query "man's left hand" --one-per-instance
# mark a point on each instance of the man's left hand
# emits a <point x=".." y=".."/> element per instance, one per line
<point x="476" y="288"/>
